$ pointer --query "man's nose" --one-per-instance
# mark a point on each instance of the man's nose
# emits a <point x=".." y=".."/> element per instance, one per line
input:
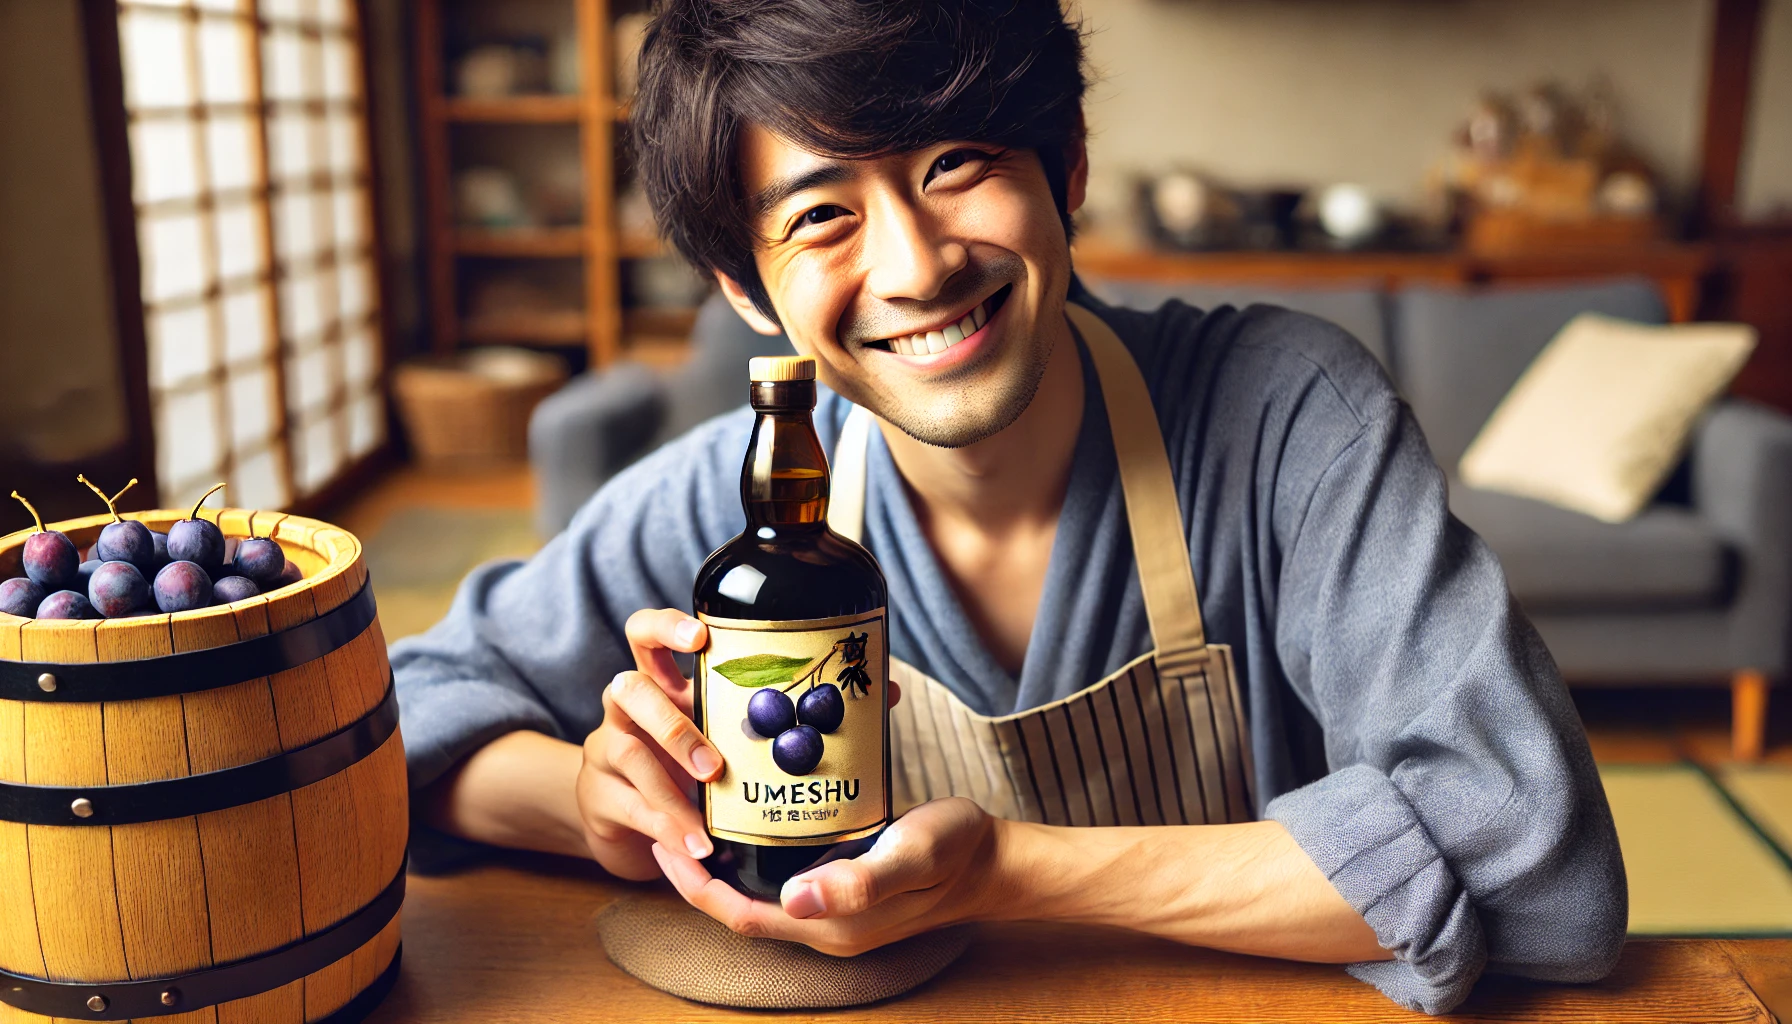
<point x="910" y="258"/>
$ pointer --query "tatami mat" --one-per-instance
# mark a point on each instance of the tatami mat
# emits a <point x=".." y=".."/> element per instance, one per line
<point x="419" y="555"/>
<point x="1695" y="865"/>
<point x="1765" y="793"/>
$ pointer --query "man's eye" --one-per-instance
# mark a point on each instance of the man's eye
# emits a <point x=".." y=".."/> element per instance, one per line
<point x="953" y="161"/>
<point x="819" y="215"/>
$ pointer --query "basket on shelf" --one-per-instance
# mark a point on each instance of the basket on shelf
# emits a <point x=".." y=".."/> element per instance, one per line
<point x="473" y="408"/>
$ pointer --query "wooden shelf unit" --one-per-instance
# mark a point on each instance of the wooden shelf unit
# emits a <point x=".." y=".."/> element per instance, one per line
<point x="601" y="328"/>
<point x="1678" y="269"/>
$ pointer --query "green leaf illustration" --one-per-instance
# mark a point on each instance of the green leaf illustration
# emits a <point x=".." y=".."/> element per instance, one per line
<point x="758" y="670"/>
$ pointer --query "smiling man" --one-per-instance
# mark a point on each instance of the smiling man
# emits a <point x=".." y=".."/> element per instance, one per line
<point x="1397" y="781"/>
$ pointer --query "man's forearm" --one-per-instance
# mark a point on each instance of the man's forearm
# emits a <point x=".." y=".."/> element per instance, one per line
<point x="516" y="791"/>
<point x="1246" y="888"/>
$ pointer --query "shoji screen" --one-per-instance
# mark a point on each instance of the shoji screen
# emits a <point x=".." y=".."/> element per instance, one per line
<point x="249" y="163"/>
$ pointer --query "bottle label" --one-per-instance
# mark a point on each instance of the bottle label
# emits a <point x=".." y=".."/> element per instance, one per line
<point x="817" y="687"/>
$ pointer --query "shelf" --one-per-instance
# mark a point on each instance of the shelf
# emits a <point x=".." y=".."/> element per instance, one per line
<point x="535" y="243"/>
<point x="542" y="108"/>
<point x="662" y="353"/>
<point x="565" y="328"/>
<point x="640" y="247"/>
<point x="658" y="322"/>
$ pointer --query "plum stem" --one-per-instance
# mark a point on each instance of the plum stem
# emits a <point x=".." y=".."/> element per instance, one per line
<point x="33" y="510"/>
<point x="810" y="675"/>
<point x="215" y="489"/>
<point x="112" y="502"/>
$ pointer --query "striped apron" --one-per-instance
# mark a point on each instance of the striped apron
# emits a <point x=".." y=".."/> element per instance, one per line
<point x="1163" y="741"/>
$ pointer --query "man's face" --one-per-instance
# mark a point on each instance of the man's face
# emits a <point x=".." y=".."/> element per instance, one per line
<point x="929" y="286"/>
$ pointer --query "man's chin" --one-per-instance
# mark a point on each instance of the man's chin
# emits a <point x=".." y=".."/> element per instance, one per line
<point x="970" y="415"/>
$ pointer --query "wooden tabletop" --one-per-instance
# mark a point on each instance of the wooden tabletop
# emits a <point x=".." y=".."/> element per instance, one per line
<point x="514" y="942"/>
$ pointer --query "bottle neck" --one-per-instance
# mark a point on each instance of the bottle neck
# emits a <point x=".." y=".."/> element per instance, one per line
<point x="784" y="482"/>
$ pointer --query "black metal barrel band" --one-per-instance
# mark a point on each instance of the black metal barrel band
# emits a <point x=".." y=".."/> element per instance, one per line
<point x="158" y="997"/>
<point x="207" y="792"/>
<point x="191" y="671"/>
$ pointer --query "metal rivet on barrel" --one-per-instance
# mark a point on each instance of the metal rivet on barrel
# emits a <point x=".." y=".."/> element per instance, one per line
<point x="171" y="997"/>
<point x="96" y="1003"/>
<point x="83" y="808"/>
<point x="46" y="683"/>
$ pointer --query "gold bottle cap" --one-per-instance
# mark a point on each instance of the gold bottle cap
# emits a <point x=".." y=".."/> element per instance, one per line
<point x="781" y="368"/>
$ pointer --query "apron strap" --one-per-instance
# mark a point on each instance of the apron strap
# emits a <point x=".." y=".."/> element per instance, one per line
<point x="1166" y="574"/>
<point x="1152" y="512"/>
<point x="846" y="490"/>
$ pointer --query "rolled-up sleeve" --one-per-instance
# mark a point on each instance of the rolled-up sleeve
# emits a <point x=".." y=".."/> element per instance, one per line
<point x="1462" y="816"/>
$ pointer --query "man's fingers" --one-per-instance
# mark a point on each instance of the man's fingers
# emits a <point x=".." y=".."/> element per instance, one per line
<point x="654" y="714"/>
<point x="653" y="634"/>
<point x="650" y="802"/>
<point x="716" y="898"/>
<point x="838" y="889"/>
<point x="905" y="858"/>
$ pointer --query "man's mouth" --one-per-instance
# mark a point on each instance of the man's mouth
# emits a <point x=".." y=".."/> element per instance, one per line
<point x="939" y="339"/>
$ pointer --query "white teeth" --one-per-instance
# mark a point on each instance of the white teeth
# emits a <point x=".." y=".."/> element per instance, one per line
<point x="929" y="342"/>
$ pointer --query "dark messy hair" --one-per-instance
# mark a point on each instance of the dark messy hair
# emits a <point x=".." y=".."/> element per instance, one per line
<point x="848" y="78"/>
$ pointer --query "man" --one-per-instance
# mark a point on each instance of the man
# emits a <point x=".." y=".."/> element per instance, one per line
<point x="857" y="174"/>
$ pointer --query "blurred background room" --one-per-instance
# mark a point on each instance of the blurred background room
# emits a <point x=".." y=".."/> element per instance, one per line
<point x="385" y="262"/>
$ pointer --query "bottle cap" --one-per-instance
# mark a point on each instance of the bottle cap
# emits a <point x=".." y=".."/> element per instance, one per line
<point x="781" y="368"/>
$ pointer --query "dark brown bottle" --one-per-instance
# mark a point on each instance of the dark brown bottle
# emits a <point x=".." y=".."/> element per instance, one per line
<point x="791" y="688"/>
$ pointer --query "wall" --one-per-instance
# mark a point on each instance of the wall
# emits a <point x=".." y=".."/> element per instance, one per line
<point x="1311" y="92"/>
<point x="61" y="389"/>
<point x="1766" y="182"/>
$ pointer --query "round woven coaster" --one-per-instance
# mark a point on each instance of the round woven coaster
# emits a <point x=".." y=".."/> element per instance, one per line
<point x="675" y="948"/>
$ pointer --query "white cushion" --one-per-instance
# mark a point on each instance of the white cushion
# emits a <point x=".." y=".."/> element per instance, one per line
<point x="1601" y="416"/>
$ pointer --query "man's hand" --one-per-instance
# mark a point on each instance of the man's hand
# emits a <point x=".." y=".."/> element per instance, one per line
<point x="931" y="868"/>
<point x="641" y="767"/>
<point x="637" y="785"/>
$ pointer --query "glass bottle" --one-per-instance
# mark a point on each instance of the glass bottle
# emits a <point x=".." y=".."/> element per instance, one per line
<point x="791" y="687"/>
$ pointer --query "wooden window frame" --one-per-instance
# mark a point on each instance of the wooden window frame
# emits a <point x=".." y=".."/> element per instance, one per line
<point x="113" y="121"/>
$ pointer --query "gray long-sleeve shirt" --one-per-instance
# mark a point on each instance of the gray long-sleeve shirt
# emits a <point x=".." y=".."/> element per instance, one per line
<point x="1409" y="728"/>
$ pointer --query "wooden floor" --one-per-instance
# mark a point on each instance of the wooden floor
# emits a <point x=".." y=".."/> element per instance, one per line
<point x="1634" y="726"/>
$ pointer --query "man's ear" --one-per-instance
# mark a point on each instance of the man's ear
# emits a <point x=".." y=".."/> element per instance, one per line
<point x="737" y="297"/>
<point x="1076" y="159"/>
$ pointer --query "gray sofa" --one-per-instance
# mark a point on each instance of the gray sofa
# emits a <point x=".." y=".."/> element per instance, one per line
<point x="1695" y="590"/>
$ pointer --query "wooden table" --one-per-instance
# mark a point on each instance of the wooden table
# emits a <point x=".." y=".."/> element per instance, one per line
<point x="514" y="942"/>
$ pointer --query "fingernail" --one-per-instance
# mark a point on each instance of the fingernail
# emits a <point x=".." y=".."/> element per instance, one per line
<point x="697" y="845"/>
<point x="802" y="900"/>
<point x="705" y="761"/>
<point x="686" y="632"/>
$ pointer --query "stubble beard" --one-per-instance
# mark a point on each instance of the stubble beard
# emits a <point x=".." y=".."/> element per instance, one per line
<point x="972" y="411"/>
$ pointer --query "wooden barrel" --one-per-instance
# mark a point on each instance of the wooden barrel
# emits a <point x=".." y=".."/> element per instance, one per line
<point x="203" y="815"/>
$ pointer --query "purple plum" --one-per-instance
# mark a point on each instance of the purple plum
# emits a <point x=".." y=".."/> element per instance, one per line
<point x="233" y="588"/>
<point x="50" y="557"/>
<point x="20" y="596"/>
<point x="182" y="586"/>
<point x="797" y="751"/>
<point x="118" y="589"/>
<point x="65" y="604"/>
<point x="198" y="540"/>
<point x="822" y="707"/>
<point x="770" y="712"/>
<point x="260" y="559"/>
